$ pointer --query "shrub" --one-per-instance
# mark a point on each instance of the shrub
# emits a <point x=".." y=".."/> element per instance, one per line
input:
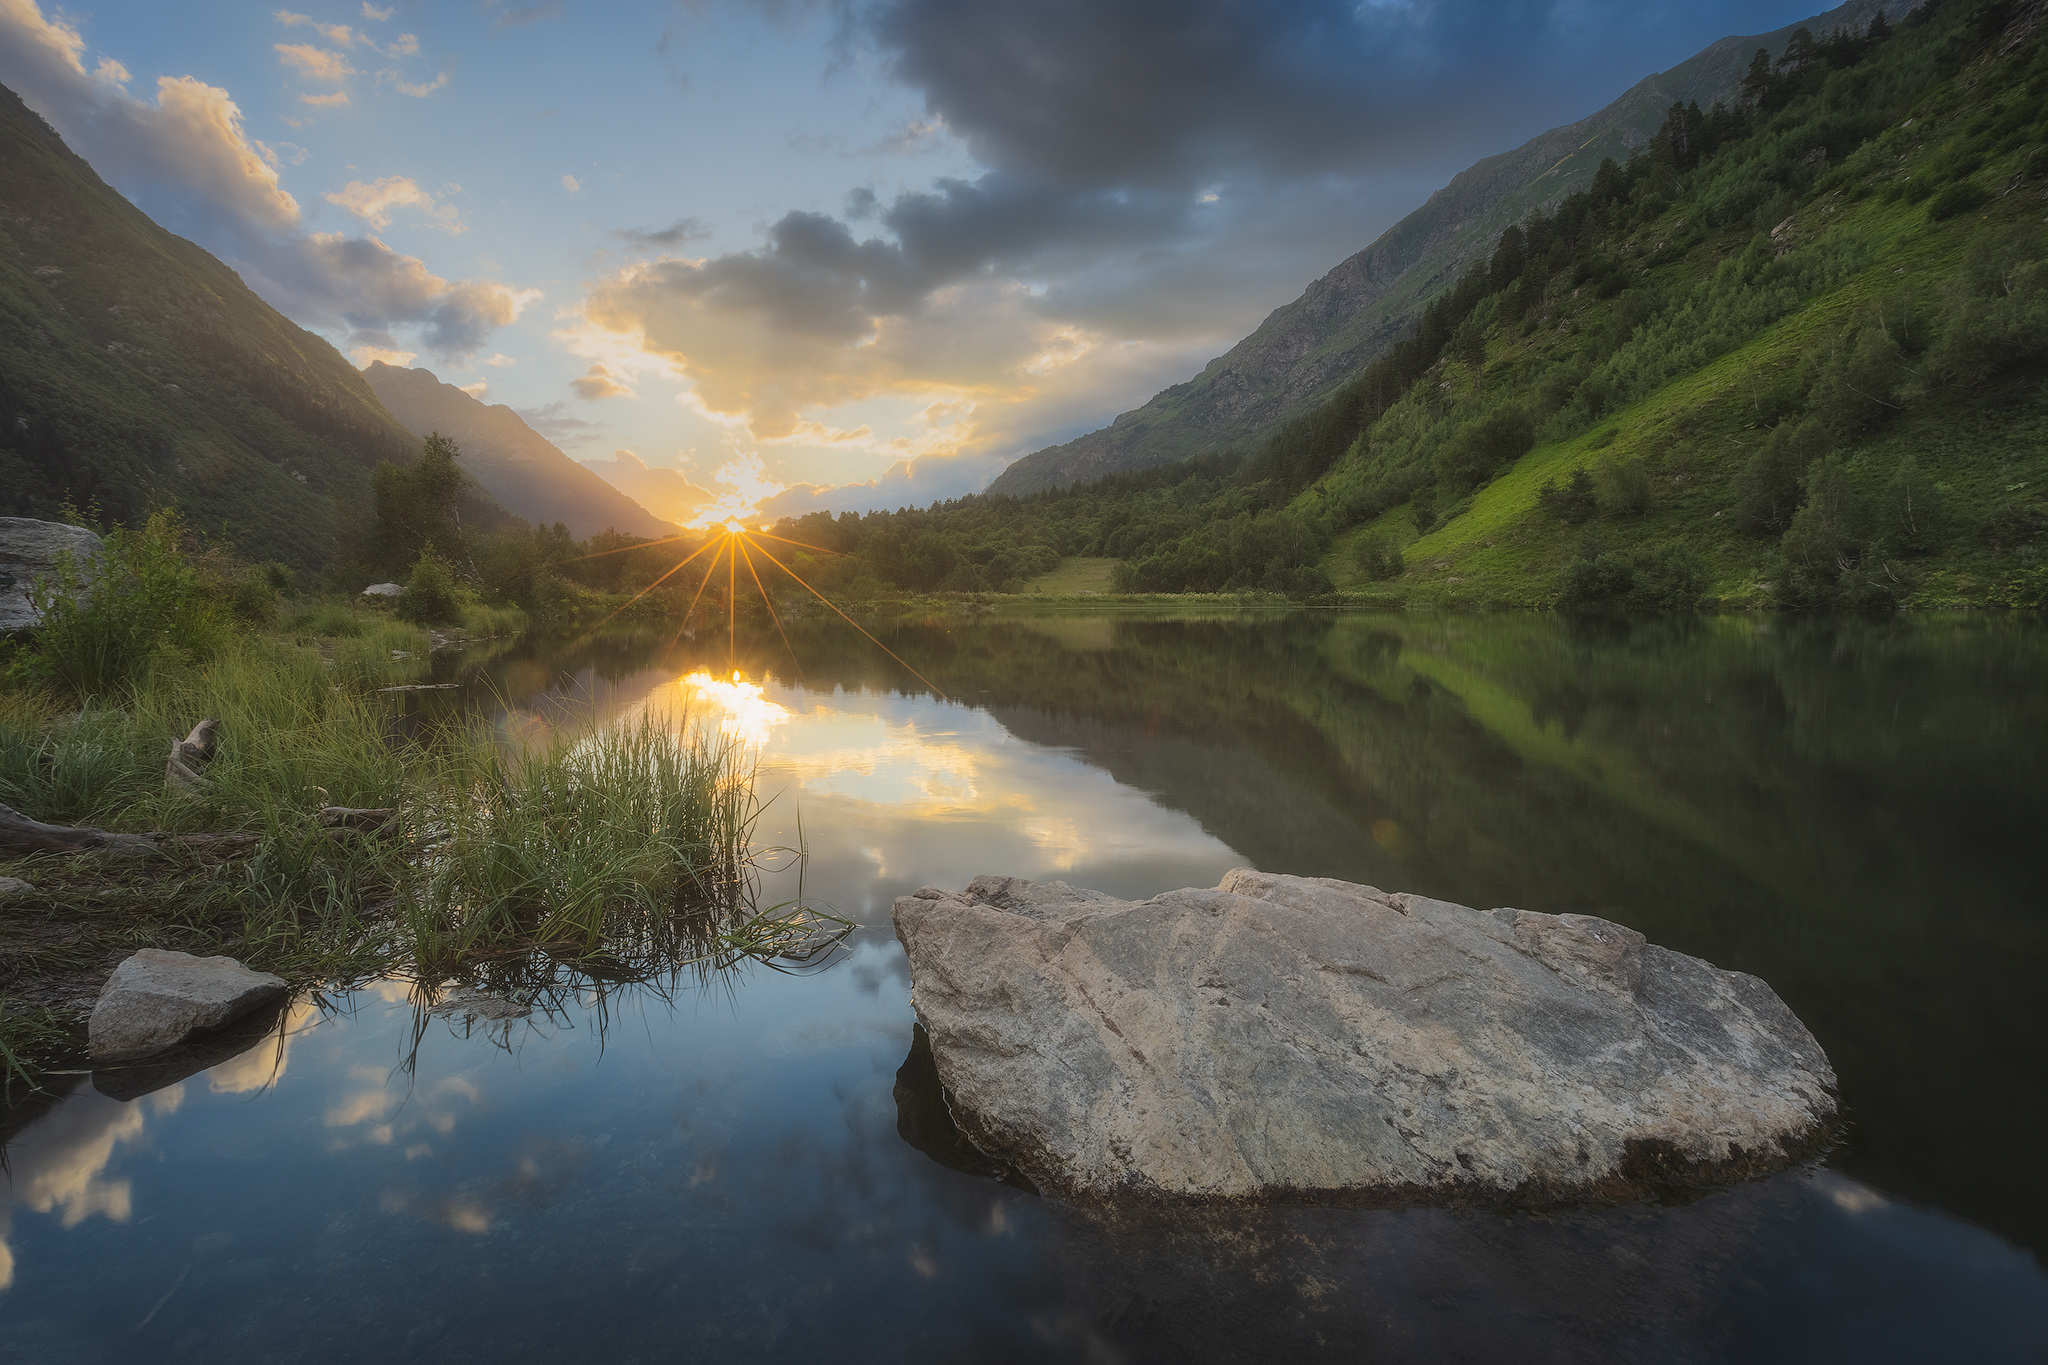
<point x="430" y="597"/>
<point x="139" y="602"/>
<point x="1378" y="558"/>
<point x="1767" y="488"/>
<point x="1624" y="486"/>
<point x="1957" y="198"/>
<point x="1573" y="502"/>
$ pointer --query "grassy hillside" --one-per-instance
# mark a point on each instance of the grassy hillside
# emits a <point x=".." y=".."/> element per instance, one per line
<point x="1793" y="353"/>
<point x="1304" y="350"/>
<point x="137" y="369"/>
<point x="1806" y="371"/>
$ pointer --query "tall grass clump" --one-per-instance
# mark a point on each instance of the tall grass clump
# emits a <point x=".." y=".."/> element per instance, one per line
<point x="623" y="839"/>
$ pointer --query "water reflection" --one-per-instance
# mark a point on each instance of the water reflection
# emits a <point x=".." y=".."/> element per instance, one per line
<point x="760" y="1170"/>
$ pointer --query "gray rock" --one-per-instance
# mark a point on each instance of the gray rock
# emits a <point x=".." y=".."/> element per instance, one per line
<point x="383" y="590"/>
<point x="156" y="998"/>
<point x="29" y="550"/>
<point x="1291" y="1037"/>
<point x="10" y="887"/>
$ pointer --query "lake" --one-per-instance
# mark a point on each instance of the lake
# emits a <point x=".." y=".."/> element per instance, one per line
<point x="756" y="1166"/>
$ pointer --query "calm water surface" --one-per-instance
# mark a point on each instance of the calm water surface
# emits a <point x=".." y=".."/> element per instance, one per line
<point x="757" y="1167"/>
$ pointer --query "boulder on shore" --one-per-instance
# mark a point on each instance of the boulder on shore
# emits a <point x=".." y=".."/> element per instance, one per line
<point x="30" y="549"/>
<point x="156" y="998"/>
<point x="1289" y="1038"/>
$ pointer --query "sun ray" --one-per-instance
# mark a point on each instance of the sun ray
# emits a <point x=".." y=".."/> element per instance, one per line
<point x="652" y="586"/>
<point x="855" y="624"/>
<point x="803" y="544"/>
<point x="769" y="603"/>
<point x="621" y="549"/>
<point x="732" y="599"/>
<point x="709" y="570"/>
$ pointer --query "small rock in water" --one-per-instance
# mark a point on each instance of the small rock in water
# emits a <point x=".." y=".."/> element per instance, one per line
<point x="1293" y="1037"/>
<point x="156" y="998"/>
<point x="10" y="887"/>
<point x="474" y="1004"/>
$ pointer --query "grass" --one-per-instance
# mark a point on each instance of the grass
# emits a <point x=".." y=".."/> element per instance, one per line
<point x="1073" y="576"/>
<point x="629" y="847"/>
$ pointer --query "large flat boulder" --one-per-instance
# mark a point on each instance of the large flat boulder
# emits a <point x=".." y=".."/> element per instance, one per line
<point x="156" y="999"/>
<point x="1286" y="1038"/>
<point x="29" y="550"/>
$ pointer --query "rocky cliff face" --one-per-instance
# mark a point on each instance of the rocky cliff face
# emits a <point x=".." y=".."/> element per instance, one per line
<point x="1305" y="349"/>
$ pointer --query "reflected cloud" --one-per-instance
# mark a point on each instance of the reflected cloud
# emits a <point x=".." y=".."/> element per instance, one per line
<point x="264" y="1066"/>
<point x="59" y="1165"/>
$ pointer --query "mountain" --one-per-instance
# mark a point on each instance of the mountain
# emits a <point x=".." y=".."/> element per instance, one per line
<point x="1305" y="349"/>
<point x="135" y="369"/>
<point x="515" y="464"/>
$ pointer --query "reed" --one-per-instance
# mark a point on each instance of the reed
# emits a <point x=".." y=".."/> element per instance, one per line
<point x="631" y="845"/>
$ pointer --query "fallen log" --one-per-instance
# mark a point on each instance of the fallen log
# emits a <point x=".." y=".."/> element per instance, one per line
<point x="20" y="835"/>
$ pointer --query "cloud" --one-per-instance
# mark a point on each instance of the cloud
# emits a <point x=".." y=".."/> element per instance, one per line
<point x="572" y="184"/>
<point x="518" y="15"/>
<point x="187" y="161"/>
<point x="499" y="361"/>
<point x="365" y="356"/>
<point x="333" y="101"/>
<point x="380" y="16"/>
<point x="313" y="63"/>
<point x="339" y="34"/>
<point x="476" y="390"/>
<point x="374" y="201"/>
<point x="681" y="231"/>
<point x="665" y="492"/>
<point x="908" y="483"/>
<point x="554" y="422"/>
<point x="420" y="89"/>
<point x="599" y="382"/>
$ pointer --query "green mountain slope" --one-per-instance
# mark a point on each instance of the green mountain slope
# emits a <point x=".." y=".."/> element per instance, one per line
<point x="514" y="463"/>
<point x="136" y="369"/>
<point x="1794" y="354"/>
<point x="1306" y="348"/>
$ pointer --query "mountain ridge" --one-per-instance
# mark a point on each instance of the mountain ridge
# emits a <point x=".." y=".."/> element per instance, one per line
<point x="136" y="369"/>
<point x="515" y="464"/>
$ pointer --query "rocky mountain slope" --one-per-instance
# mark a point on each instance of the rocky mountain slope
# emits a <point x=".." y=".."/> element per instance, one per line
<point x="515" y="464"/>
<point x="1307" y="348"/>
<point x="135" y="368"/>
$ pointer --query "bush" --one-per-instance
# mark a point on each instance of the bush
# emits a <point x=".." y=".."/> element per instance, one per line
<point x="140" y="602"/>
<point x="1624" y="486"/>
<point x="1657" y="578"/>
<point x="1422" y="507"/>
<point x="430" y="597"/>
<point x="1378" y="558"/>
<point x="1573" y="502"/>
<point x="1767" y="488"/>
<point x="1957" y="198"/>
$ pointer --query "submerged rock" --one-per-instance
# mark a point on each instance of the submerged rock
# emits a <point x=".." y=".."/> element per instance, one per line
<point x="30" y="549"/>
<point x="156" y="998"/>
<point x="10" y="887"/>
<point x="1293" y="1038"/>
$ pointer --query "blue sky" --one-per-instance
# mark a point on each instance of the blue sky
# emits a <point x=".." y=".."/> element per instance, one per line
<point x="886" y="245"/>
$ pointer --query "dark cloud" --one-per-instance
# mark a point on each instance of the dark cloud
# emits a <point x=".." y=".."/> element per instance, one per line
<point x="907" y="483"/>
<point x="682" y="230"/>
<point x="554" y="422"/>
<point x="1180" y="92"/>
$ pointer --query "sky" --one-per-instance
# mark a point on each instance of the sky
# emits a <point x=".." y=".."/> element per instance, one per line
<point x="759" y="258"/>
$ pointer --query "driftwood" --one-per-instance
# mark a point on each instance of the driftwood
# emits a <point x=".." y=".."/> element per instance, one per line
<point x="20" y="835"/>
<point x="192" y="753"/>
